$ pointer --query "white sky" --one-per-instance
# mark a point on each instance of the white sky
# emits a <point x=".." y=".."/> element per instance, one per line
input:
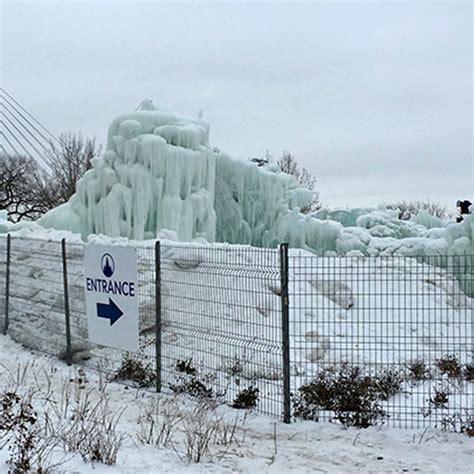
<point x="374" y="98"/>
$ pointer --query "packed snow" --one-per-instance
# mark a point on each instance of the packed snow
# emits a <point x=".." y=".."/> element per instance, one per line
<point x="262" y="443"/>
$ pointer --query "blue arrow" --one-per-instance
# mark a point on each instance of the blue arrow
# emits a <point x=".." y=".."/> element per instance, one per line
<point x="109" y="311"/>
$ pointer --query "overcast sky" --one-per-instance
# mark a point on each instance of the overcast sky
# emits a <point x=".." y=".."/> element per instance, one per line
<point x="374" y="98"/>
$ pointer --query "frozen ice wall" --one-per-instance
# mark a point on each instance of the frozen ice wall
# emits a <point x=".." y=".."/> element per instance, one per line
<point x="157" y="173"/>
<point x="258" y="206"/>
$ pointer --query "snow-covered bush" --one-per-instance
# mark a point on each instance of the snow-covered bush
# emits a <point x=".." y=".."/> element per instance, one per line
<point x="135" y="369"/>
<point x="352" y="395"/>
<point x="246" y="398"/>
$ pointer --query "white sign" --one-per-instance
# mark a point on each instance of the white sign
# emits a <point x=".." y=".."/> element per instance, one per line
<point x="111" y="296"/>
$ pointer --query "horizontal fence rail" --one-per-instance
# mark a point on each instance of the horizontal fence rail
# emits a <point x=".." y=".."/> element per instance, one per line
<point x="371" y="339"/>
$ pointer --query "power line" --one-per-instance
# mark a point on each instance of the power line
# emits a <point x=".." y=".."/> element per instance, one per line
<point x="2" y="90"/>
<point x="40" y="143"/>
<point x="20" y="130"/>
<point x="7" y="104"/>
<point x="11" y="146"/>
<point x="22" y="135"/>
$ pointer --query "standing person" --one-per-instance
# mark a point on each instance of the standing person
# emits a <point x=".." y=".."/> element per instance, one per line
<point x="463" y="209"/>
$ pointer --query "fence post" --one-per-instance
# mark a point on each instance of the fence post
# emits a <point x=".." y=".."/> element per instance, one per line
<point x="66" y="305"/>
<point x="285" y="326"/>
<point x="7" y="286"/>
<point x="158" y="314"/>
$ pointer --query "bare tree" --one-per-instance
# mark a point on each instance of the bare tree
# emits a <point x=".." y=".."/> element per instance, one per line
<point x="69" y="161"/>
<point x="21" y="188"/>
<point x="27" y="191"/>
<point x="288" y="164"/>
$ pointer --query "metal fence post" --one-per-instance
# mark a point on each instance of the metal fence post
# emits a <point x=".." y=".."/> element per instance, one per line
<point x="158" y="314"/>
<point x="66" y="304"/>
<point x="7" y="285"/>
<point x="285" y="326"/>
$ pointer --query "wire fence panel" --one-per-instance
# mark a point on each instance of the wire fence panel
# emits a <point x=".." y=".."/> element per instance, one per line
<point x="36" y="298"/>
<point x="222" y="319"/>
<point x="212" y="323"/>
<point x="390" y="317"/>
<point x="3" y="271"/>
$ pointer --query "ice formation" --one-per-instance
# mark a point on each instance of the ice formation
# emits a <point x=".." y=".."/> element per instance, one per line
<point x="5" y="225"/>
<point x="158" y="173"/>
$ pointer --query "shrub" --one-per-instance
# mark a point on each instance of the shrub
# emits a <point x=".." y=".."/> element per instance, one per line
<point x="440" y="398"/>
<point x="468" y="372"/>
<point x="18" y="421"/>
<point x="459" y="424"/>
<point x="158" y="421"/>
<point x="207" y="435"/>
<point x="449" y="366"/>
<point x="193" y="387"/>
<point x="134" y="369"/>
<point x="388" y="383"/>
<point x="191" y="383"/>
<point x="246" y="398"/>
<point x="85" y="423"/>
<point x="352" y="395"/>
<point x="75" y="421"/>
<point x="414" y="207"/>
<point x="418" y="371"/>
<point x="186" y="366"/>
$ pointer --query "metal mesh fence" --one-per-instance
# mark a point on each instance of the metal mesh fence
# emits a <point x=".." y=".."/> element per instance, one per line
<point x="3" y="270"/>
<point x="221" y="310"/>
<point x="392" y="316"/>
<point x="36" y="297"/>
<point x="220" y="317"/>
<point x="211" y="322"/>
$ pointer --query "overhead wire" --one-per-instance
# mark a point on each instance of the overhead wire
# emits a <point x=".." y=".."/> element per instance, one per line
<point x="22" y="135"/>
<point x="15" y="138"/>
<point x="40" y="143"/>
<point x="22" y="128"/>
<point x="2" y="90"/>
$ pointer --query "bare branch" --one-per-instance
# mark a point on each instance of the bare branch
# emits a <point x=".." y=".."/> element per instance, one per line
<point x="288" y="164"/>
<point x="27" y="191"/>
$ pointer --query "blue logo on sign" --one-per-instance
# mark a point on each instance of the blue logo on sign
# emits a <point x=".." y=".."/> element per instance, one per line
<point x="107" y="265"/>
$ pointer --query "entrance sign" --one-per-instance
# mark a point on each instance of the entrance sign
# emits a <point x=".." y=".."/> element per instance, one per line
<point x="111" y="296"/>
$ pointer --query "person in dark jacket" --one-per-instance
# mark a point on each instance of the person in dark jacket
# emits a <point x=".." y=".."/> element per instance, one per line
<point x="463" y="209"/>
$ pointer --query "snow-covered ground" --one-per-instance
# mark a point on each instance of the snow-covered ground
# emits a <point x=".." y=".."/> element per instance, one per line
<point x="264" y="444"/>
